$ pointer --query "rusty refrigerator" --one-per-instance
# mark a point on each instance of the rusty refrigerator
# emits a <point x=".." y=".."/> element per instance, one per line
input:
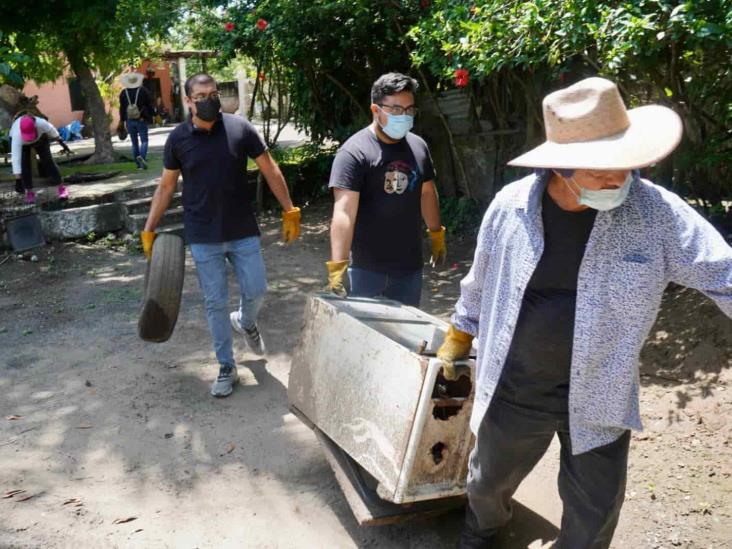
<point x="364" y="374"/>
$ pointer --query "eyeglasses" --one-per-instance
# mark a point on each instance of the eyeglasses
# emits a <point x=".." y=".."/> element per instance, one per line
<point x="203" y="97"/>
<point x="398" y="109"/>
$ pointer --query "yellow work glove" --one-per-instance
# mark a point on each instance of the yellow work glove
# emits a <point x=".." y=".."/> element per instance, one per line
<point x="456" y="346"/>
<point x="290" y="225"/>
<point x="147" y="238"/>
<point x="439" y="250"/>
<point x="336" y="270"/>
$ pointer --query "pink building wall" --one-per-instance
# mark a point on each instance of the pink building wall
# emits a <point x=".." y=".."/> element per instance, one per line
<point x="54" y="100"/>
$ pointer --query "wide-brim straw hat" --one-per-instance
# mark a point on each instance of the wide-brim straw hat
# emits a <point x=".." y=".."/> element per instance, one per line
<point x="588" y="127"/>
<point x="131" y="80"/>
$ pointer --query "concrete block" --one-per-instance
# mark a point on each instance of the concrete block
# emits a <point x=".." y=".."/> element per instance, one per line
<point x="78" y="222"/>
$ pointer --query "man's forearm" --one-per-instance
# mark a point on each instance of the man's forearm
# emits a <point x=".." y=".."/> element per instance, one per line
<point x="431" y="208"/>
<point x="278" y="186"/>
<point x="341" y="237"/>
<point x="160" y="202"/>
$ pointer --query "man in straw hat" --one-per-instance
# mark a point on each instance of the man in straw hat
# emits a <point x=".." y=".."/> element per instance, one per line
<point x="136" y="112"/>
<point x="569" y="270"/>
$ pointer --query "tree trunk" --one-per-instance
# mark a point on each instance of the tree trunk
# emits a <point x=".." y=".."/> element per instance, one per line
<point x="103" y="150"/>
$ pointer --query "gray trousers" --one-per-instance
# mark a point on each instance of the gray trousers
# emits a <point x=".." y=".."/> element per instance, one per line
<point x="510" y="442"/>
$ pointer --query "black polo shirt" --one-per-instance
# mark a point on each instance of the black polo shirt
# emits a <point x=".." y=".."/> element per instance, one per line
<point x="217" y="200"/>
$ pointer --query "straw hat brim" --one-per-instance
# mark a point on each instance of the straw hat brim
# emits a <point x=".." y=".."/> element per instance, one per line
<point x="653" y="133"/>
<point x="131" y="80"/>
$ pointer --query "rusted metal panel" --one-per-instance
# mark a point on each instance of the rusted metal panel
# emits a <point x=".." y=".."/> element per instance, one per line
<point x="358" y="376"/>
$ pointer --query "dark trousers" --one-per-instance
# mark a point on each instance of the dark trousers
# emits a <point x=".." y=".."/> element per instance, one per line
<point x="49" y="167"/>
<point x="510" y="442"/>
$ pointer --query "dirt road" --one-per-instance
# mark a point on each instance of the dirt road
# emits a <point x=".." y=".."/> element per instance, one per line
<point x="99" y="427"/>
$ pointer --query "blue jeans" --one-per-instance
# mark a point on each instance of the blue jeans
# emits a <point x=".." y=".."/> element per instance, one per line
<point x="405" y="288"/>
<point x="138" y="135"/>
<point x="245" y="256"/>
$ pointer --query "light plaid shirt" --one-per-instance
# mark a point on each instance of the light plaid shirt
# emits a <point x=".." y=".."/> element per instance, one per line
<point x="632" y="254"/>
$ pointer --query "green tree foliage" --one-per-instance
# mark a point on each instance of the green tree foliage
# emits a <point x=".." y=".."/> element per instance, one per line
<point x="12" y="62"/>
<point x="669" y="52"/>
<point x="93" y="36"/>
<point x="328" y="52"/>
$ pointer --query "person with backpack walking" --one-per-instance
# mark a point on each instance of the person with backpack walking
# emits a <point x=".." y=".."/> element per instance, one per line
<point x="136" y="112"/>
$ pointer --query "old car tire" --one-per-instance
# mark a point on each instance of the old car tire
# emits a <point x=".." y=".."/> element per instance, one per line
<point x="163" y="288"/>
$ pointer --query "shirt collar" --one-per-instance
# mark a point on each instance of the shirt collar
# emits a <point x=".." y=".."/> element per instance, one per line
<point x="195" y="129"/>
<point x="528" y="197"/>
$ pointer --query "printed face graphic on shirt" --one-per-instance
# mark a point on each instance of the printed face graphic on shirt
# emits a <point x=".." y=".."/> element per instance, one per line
<point x="399" y="176"/>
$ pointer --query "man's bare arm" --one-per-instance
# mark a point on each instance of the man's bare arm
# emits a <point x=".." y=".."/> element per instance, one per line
<point x="275" y="180"/>
<point x="162" y="197"/>
<point x="345" y="208"/>
<point x="430" y="206"/>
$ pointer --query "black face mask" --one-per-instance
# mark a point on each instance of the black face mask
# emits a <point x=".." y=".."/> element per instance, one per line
<point x="207" y="109"/>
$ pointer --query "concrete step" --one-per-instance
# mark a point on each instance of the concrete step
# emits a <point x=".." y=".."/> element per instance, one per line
<point x="142" y="205"/>
<point x="143" y="191"/>
<point x="136" y="222"/>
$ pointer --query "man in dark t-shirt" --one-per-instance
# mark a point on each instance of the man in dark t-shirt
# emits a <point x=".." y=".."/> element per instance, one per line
<point x="383" y="183"/>
<point x="210" y="150"/>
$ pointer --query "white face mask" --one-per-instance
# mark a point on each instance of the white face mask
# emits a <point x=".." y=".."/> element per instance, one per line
<point x="603" y="199"/>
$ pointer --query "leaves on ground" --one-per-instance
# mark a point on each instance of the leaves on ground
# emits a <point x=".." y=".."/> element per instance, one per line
<point x="123" y="520"/>
<point x="74" y="502"/>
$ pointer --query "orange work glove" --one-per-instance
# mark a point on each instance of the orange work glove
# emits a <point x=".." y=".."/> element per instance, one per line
<point x="290" y="225"/>
<point x="336" y="271"/>
<point x="456" y="346"/>
<point x="147" y="238"/>
<point x="439" y="250"/>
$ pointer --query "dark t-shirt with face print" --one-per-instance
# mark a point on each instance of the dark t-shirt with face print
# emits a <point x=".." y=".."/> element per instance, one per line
<point x="388" y="233"/>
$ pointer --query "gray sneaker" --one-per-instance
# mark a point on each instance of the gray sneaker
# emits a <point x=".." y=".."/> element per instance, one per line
<point x="224" y="384"/>
<point x="141" y="162"/>
<point x="252" y="335"/>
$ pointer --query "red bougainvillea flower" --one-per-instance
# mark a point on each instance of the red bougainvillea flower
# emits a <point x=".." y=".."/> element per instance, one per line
<point x="262" y="76"/>
<point x="424" y="4"/>
<point x="228" y="27"/>
<point x="262" y="24"/>
<point x="462" y="77"/>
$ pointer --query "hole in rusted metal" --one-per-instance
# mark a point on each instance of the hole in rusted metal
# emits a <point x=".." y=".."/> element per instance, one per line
<point x="459" y="388"/>
<point x="445" y="409"/>
<point x="438" y="451"/>
<point x="448" y="396"/>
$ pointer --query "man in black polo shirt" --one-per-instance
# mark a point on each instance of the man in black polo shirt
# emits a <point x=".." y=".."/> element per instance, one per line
<point x="383" y="183"/>
<point x="210" y="149"/>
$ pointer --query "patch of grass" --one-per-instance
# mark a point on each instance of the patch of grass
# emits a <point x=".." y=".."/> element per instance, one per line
<point x="154" y="165"/>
